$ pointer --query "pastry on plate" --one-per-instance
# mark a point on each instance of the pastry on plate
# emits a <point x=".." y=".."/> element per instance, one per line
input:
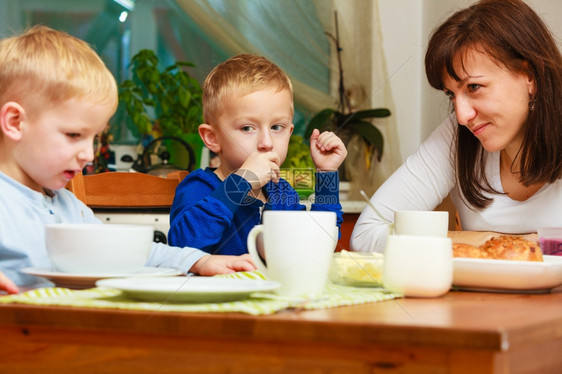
<point x="504" y="247"/>
<point x="467" y="250"/>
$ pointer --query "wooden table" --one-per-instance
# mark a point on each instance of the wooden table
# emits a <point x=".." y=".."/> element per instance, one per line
<point x="463" y="332"/>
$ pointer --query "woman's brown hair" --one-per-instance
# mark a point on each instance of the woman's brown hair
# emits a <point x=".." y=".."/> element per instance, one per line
<point x="512" y="34"/>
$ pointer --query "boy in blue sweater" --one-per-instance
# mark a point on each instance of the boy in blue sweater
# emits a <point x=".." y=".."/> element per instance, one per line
<point x="248" y="110"/>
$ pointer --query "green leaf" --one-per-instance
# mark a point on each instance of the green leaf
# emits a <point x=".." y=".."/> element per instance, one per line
<point x="346" y="119"/>
<point x="152" y="88"/>
<point x="370" y="133"/>
<point x="371" y="113"/>
<point x="145" y="124"/>
<point x="154" y="76"/>
<point x="183" y="99"/>
<point x="138" y="107"/>
<point x="127" y="84"/>
<point x="149" y="102"/>
<point x="195" y="112"/>
<point x="319" y="121"/>
<point x="125" y="96"/>
<point x="165" y="106"/>
<point x="185" y="63"/>
<point x="193" y="83"/>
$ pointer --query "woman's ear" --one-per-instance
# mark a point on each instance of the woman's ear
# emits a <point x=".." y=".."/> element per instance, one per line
<point x="209" y="136"/>
<point x="531" y="84"/>
<point x="532" y="88"/>
<point x="11" y="118"/>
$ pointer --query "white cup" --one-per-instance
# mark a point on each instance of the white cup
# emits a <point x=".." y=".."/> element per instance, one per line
<point x="421" y="222"/>
<point x="418" y="266"/>
<point x="298" y="248"/>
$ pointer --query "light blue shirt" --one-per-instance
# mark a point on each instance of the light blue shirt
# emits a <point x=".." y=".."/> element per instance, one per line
<point x="23" y="216"/>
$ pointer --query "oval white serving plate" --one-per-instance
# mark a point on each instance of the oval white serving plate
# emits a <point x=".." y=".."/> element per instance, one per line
<point x="506" y="275"/>
<point x="193" y="289"/>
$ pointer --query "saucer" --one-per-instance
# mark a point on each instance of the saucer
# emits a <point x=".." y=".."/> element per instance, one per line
<point x="84" y="280"/>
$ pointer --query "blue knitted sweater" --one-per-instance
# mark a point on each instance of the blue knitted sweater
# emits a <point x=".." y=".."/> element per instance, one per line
<point x="216" y="216"/>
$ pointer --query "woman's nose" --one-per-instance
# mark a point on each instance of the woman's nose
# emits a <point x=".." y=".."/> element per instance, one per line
<point x="464" y="110"/>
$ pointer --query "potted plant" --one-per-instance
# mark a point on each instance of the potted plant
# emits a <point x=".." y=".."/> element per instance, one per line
<point x="346" y="122"/>
<point x="162" y="101"/>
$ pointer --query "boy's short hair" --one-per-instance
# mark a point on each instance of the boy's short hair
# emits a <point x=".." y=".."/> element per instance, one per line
<point x="43" y="67"/>
<point x="241" y="74"/>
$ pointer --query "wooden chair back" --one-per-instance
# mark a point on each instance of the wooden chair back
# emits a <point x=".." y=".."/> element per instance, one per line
<point x="125" y="190"/>
<point x="179" y="175"/>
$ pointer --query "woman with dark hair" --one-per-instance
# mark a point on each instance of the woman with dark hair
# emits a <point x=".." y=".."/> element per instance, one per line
<point x="499" y="154"/>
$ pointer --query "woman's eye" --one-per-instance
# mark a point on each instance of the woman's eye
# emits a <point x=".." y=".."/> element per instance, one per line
<point x="473" y="87"/>
<point x="73" y="135"/>
<point x="246" y="128"/>
<point x="277" y="127"/>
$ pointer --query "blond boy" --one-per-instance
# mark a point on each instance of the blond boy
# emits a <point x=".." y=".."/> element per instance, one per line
<point x="56" y="96"/>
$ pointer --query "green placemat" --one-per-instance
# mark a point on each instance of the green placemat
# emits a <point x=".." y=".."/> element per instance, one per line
<point x="258" y="303"/>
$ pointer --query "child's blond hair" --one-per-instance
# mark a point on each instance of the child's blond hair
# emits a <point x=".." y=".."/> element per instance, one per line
<point x="240" y="75"/>
<point x="43" y="67"/>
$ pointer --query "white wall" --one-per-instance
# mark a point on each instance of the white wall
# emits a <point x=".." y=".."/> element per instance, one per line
<point x="406" y="25"/>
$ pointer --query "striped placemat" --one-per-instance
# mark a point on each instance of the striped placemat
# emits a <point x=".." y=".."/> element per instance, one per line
<point x="257" y="304"/>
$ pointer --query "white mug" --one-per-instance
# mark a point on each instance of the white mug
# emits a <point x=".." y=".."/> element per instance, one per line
<point x="298" y="248"/>
<point x="418" y="266"/>
<point x="421" y="222"/>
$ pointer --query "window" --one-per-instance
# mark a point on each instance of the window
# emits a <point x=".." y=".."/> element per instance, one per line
<point x="117" y="29"/>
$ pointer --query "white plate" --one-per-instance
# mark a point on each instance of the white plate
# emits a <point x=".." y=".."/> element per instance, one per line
<point x="506" y="275"/>
<point x="189" y="289"/>
<point x="78" y="281"/>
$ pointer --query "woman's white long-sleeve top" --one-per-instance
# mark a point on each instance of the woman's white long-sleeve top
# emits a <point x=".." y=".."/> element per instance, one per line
<point x="428" y="176"/>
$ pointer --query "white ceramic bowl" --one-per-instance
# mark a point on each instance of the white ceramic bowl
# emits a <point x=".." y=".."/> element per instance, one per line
<point x="98" y="248"/>
<point x="357" y="269"/>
